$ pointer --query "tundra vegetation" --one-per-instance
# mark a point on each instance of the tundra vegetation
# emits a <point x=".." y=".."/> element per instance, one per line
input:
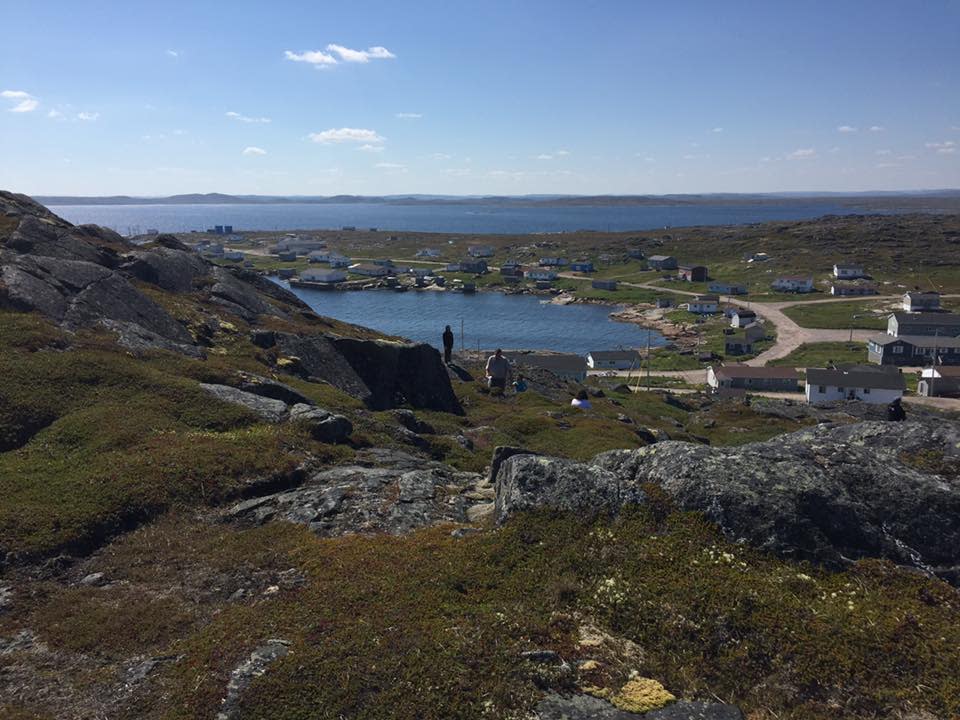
<point x="128" y="590"/>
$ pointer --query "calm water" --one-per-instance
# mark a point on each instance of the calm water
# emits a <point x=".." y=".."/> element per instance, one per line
<point x="489" y="318"/>
<point x="131" y="219"/>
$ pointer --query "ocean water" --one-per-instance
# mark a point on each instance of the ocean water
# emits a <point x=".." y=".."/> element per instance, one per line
<point x="490" y="319"/>
<point x="133" y="219"/>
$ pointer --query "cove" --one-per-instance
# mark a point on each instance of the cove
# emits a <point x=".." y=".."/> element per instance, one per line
<point x="490" y="319"/>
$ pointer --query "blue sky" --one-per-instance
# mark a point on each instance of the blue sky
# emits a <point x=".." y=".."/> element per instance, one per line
<point x="483" y="97"/>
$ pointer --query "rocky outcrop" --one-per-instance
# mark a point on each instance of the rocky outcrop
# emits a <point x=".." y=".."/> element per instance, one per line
<point x="324" y="425"/>
<point x="383" y="491"/>
<point x="828" y="494"/>
<point x="380" y="373"/>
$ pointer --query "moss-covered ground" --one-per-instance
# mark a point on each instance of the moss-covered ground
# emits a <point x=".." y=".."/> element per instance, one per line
<point x="432" y="626"/>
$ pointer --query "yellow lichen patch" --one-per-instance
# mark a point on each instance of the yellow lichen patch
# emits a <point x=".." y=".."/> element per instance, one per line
<point x="599" y="692"/>
<point x="642" y="695"/>
<point x="589" y="665"/>
<point x="228" y="326"/>
<point x="287" y="361"/>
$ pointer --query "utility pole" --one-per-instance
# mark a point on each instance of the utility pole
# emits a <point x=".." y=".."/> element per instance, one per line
<point x="462" y="346"/>
<point x="648" y="359"/>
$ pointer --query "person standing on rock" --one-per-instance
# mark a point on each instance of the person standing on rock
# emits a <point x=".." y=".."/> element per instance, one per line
<point x="447" y="345"/>
<point x="498" y="370"/>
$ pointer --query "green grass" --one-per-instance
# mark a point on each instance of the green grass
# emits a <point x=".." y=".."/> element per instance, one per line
<point x="864" y="314"/>
<point x="820" y="354"/>
<point x="98" y="441"/>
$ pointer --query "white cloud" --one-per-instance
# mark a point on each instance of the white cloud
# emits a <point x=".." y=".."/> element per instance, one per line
<point x="360" y="56"/>
<point x="87" y="116"/>
<point x="408" y="116"/>
<point x="717" y="130"/>
<point x="173" y="53"/>
<point x="948" y="147"/>
<point x="390" y="166"/>
<point x="846" y="129"/>
<point x="317" y="58"/>
<point x="834" y="150"/>
<point x="341" y="135"/>
<point x="561" y="153"/>
<point x="254" y="151"/>
<point x="802" y="154"/>
<point x="440" y="156"/>
<point x="23" y="101"/>
<point x="371" y="148"/>
<point x="457" y="172"/>
<point x="884" y="152"/>
<point x="544" y="156"/>
<point x="906" y="157"/>
<point x="246" y="119"/>
<point x="877" y="128"/>
<point x="887" y="165"/>
<point x="54" y="114"/>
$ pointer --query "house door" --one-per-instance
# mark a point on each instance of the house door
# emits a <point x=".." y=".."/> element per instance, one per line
<point x="851" y="395"/>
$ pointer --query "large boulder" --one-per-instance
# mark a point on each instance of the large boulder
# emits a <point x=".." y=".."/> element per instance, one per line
<point x="828" y="494"/>
<point x="382" y="374"/>
<point x="170" y="269"/>
<point x="400" y="374"/>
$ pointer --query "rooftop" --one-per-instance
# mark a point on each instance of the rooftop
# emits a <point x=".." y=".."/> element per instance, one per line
<point x="554" y="362"/>
<point x="746" y="371"/>
<point x="945" y="319"/>
<point x="863" y="376"/>
<point x="930" y="341"/>
<point x="614" y="354"/>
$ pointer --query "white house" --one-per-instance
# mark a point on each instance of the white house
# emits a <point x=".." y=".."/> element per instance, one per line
<point x="370" y="270"/>
<point x="540" y="274"/>
<point x="323" y="276"/>
<point x="613" y="359"/>
<point x="480" y="251"/>
<point x="939" y="381"/>
<point x="704" y="304"/>
<point x="742" y="318"/>
<point x="338" y="261"/>
<point x="916" y="301"/>
<point x="428" y="253"/>
<point x="877" y="385"/>
<point x="793" y="283"/>
<point x="848" y="271"/>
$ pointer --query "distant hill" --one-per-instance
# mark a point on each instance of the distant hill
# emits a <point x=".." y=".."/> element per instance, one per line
<point x="942" y="200"/>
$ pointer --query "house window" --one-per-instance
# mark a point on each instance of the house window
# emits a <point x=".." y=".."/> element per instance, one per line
<point x="897" y="349"/>
<point x="866" y="391"/>
<point x="823" y="389"/>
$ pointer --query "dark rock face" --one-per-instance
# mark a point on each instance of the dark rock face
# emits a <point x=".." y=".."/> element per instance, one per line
<point x="827" y="494"/>
<point x="385" y="491"/>
<point x="382" y="374"/>
<point x="169" y="269"/>
<point x="400" y="373"/>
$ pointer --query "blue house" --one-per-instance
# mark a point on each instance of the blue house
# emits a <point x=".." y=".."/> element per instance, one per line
<point x="581" y="267"/>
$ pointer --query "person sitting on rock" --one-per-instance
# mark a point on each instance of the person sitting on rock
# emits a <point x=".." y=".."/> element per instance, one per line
<point x="520" y="385"/>
<point x="581" y="400"/>
<point x="895" y="411"/>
